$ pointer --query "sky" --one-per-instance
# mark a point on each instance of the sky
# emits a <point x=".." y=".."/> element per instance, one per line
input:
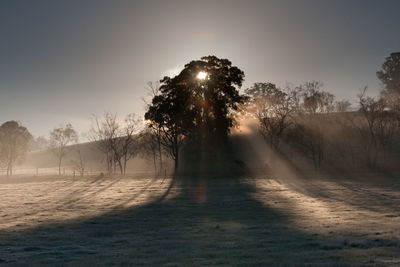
<point x="63" y="61"/>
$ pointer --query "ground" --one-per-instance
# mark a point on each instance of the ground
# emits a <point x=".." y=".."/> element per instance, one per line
<point x="221" y="221"/>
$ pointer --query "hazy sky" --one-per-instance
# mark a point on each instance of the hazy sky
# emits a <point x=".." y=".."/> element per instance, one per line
<point x="61" y="61"/>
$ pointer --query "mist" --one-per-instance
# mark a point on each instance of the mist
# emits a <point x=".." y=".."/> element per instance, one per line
<point x="210" y="133"/>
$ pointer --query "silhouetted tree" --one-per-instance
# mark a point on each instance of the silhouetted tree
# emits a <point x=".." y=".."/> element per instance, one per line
<point x="59" y="139"/>
<point x="14" y="142"/>
<point x="199" y="102"/>
<point x="213" y="84"/>
<point x="172" y="115"/>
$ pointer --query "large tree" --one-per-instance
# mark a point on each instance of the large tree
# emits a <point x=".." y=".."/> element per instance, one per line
<point x="214" y="85"/>
<point x="14" y="143"/>
<point x="172" y="114"/>
<point x="200" y="102"/>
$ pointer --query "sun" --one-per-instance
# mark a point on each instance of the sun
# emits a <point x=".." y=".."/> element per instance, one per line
<point x="201" y="75"/>
<point x="146" y="122"/>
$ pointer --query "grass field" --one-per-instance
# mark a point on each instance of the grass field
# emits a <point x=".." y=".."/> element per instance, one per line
<point x="258" y="221"/>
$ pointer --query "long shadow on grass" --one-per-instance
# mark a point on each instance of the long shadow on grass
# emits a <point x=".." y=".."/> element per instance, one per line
<point x="379" y="194"/>
<point x="372" y="190"/>
<point x="201" y="221"/>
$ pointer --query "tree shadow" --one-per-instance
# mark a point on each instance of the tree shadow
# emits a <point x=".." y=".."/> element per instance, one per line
<point x="200" y="221"/>
<point x="374" y="191"/>
<point x="72" y="197"/>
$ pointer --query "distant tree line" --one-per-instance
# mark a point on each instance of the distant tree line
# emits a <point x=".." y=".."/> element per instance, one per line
<point x="308" y="120"/>
<point x="198" y="107"/>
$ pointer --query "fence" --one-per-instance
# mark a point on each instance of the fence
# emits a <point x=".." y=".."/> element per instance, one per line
<point x="64" y="171"/>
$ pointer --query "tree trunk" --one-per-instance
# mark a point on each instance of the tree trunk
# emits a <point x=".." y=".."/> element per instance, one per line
<point x="160" y="154"/>
<point x="155" y="163"/>
<point x="121" y="168"/>
<point x="176" y="165"/>
<point x="176" y="162"/>
<point x="176" y="154"/>
<point x="59" y="165"/>
<point x="9" y="168"/>
<point x="109" y="164"/>
<point x="125" y="162"/>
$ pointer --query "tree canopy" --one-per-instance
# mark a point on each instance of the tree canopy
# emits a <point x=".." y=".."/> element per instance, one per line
<point x="216" y="96"/>
<point x="199" y="103"/>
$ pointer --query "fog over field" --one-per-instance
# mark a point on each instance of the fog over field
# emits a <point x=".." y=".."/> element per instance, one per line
<point x="264" y="218"/>
<point x="246" y="214"/>
<point x="200" y="133"/>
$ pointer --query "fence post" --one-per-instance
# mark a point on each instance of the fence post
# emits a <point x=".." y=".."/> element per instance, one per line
<point x="37" y="171"/>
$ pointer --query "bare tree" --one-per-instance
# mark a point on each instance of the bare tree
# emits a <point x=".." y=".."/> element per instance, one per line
<point x="381" y="125"/>
<point x="117" y="142"/>
<point x="100" y="137"/>
<point x="308" y="133"/>
<point x="342" y="105"/>
<point x="273" y="108"/>
<point x="150" y="147"/>
<point x="80" y="162"/>
<point x="14" y="142"/>
<point x="316" y="100"/>
<point x="308" y="136"/>
<point x="104" y="133"/>
<point x="128" y="143"/>
<point x="154" y="135"/>
<point x="59" y="139"/>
